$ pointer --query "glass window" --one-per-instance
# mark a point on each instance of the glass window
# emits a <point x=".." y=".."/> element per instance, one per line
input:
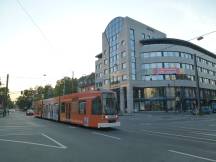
<point x="96" y="106"/>
<point x="123" y="43"/>
<point x="132" y="34"/>
<point x="123" y="54"/>
<point x="109" y="104"/>
<point x="132" y="44"/>
<point x="156" y="65"/>
<point x="132" y="54"/>
<point x="170" y="77"/>
<point x="105" y="53"/>
<point x="144" y="55"/>
<point x="105" y="61"/>
<point x="124" y="65"/>
<point x="82" y="107"/>
<point x="63" y="107"/>
<point x="106" y="81"/>
<point x="124" y="77"/>
<point x="105" y="72"/>
<point x="143" y="35"/>
<point x="146" y="66"/>
<point x="157" y="77"/>
<point x="171" y="65"/>
<point x="170" y="54"/>
<point x="153" y="92"/>
<point x="133" y="76"/>
<point x="147" y="77"/>
<point x="133" y="65"/>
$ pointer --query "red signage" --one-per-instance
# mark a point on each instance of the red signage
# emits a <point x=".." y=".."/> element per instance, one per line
<point x="167" y="71"/>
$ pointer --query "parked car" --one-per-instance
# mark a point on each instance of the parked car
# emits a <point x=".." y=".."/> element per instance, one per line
<point x="29" y="112"/>
<point x="213" y="106"/>
<point x="206" y="109"/>
<point x="12" y="110"/>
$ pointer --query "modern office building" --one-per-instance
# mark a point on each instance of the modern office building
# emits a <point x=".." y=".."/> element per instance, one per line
<point x="151" y="72"/>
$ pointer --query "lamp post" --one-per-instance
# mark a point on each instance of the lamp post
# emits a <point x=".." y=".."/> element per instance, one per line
<point x="196" y="72"/>
<point x="197" y="84"/>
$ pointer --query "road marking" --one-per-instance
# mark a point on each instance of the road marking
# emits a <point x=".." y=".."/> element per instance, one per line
<point x="117" y="138"/>
<point x="178" y="135"/>
<point x="207" y="134"/>
<point x="71" y="127"/>
<point x="13" y="126"/>
<point x="58" y="143"/>
<point x="212" y="125"/>
<point x="145" y="123"/>
<point x="186" y="154"/>
<point x="12" y="134"/>
<point x="31" y="143"/>
<point x="197" y="129"/>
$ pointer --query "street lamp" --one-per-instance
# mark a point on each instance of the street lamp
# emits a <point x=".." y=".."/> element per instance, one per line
<point x="196" y="72"/>
<point x="197" y="83"/>
<point x="201" y="36"/>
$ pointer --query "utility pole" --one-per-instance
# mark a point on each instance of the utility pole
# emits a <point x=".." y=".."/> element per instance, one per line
<point x="6" y="94"/>
<point x="64" y="88"/>
<point x="72" y="81"/>
<point x="197" y="85"/>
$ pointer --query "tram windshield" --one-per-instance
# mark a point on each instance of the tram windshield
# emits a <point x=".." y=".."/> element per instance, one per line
<point x="109" y="103"/>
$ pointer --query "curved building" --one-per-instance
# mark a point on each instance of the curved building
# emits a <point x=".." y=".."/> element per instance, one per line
<point x="151" y="72"/>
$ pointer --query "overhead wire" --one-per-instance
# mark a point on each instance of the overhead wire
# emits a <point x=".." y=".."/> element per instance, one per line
<point x="32" y="20"/>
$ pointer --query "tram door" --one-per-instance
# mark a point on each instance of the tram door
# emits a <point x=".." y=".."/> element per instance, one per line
<point x="68" y="111"/>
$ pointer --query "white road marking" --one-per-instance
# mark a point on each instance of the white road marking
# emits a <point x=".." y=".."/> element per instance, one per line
<point x="117" y="138"/>
<point x="71" y="127"/>
<point x="30" y="143"/>
<point x="207" y="134"/>
<point x="145" y="123"/>
<point x="178" y="135"/>
<point x="194" y="156"/>
<point x="14" y="126"/>
<point x="20" y="134"/>
<point x="212" y="125"/>
<point x="198" y="129"/>
<point x="58" y="143"/>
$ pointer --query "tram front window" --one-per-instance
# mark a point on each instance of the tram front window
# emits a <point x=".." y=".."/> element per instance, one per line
<point x="109" y="104"/>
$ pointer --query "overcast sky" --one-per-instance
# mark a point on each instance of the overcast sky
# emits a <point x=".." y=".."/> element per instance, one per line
<point x="63" y="36"/>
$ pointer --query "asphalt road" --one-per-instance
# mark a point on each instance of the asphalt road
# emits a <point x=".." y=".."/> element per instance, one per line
<point x="142" y="137"/>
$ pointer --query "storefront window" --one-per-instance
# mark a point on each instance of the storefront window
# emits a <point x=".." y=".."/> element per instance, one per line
<point x="153" y="92"/>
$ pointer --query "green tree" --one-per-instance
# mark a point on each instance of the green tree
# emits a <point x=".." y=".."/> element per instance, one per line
<point x="25" y="101"/>
<point x="65" y="86"/>
<point x="48" y="91"/>
<point x="3" y="99"/>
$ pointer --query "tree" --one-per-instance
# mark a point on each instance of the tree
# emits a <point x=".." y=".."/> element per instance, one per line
<point x="65" y="86"/>
<point x="4" y="98"/>
<point x="25" y="101"/>
<point x="48" y="91"/>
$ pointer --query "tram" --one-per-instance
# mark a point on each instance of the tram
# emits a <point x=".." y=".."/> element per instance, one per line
<point x="96" y="109"/>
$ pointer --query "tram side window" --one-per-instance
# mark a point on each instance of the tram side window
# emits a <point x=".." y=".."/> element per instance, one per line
<point x="82" y="107"/>
<point x="96" y="106"/>
<point x="63" y="107"/>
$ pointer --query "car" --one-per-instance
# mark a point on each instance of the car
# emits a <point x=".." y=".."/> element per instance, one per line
<point x="213" y="106"/>
<point x="206" y="109"/>
<point x="29" y="112"/>
<point x="12" y="110"/>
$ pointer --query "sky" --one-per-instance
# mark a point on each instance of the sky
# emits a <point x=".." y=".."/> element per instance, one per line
<point x="42" y="41"/>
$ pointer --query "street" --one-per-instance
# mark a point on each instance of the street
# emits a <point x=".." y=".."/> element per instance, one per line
<point x="149" y="136"/>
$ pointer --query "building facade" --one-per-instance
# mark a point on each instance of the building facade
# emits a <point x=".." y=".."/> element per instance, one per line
<point x="86" y="83"/>
<point x="151" y="72"/>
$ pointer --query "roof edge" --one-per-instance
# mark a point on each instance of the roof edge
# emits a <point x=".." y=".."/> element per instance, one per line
<point x="177" y="42"/>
